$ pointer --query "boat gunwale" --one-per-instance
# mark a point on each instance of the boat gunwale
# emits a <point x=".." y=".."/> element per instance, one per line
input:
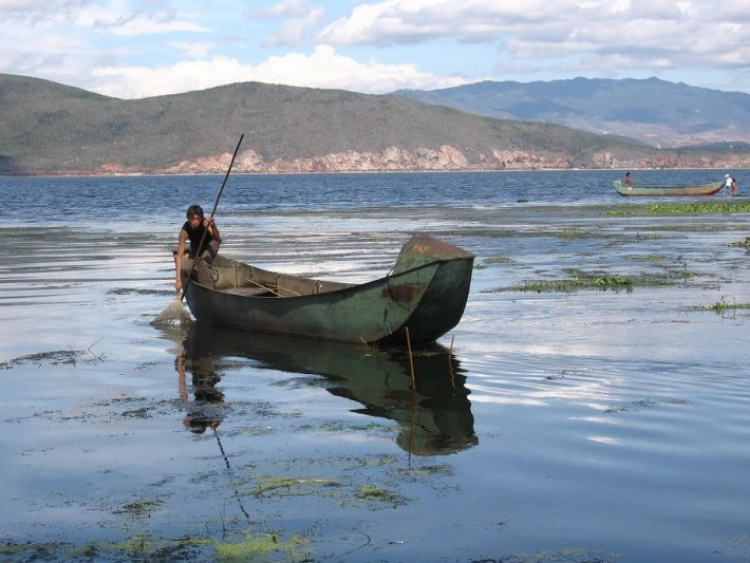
<point x="348" y="288"/>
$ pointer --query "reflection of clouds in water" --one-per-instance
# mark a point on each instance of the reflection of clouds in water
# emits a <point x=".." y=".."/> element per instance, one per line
<point x="605" y="440"/>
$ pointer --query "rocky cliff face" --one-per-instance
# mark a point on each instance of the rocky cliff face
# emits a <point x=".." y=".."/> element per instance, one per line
<point x="446" y="158"/>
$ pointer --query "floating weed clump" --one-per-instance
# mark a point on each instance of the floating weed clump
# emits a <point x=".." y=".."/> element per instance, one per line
<point x="648" y="258"/>
<point x="722" y="306"/>
<point x="57" y="357"/>
<point x="371" y="494"/>
<point x="489" y="261"/>
<point x="137" y="548"/>
<point x="430" y="471"/>
<point x="693" y="208"/>
<point x="120" y="291"/>
<point x="267" y="546"/>
<point x="140" y="509"/>
<point x="579" y="280"/>
<point x="377" y="461"/>
<point x="564" y="555"/>
<point x="292" y="486"/>
<point x="32" y="551"/>
<point x="741" y="244"/>
<point x="263" y="547"/>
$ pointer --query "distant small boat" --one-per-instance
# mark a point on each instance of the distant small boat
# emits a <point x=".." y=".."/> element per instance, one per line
<point x="425" y="294"/>
<point x="705" y="189"/>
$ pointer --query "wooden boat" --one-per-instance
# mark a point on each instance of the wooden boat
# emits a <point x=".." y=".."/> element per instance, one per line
<point x="705" y="189"/>
<point x="425" y="293"/>
<point x="432" y="410"/>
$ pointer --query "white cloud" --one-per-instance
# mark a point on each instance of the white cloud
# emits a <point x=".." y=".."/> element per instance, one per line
<point x="150" y="25"/>
<point x="294" y="31"/>
<point x="287" y="8"/>
<point x="193" y="49"/>
<point x="37" y="10"/>
<point x="673" y="32"/>
<point x="324" y="68"/>
<point x="148" y="47"/>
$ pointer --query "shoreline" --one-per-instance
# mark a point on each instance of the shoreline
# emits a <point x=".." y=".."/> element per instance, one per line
<point x="84" y="174"/>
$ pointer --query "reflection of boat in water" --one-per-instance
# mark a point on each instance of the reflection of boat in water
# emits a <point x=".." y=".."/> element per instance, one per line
<point x="433" y="419"/>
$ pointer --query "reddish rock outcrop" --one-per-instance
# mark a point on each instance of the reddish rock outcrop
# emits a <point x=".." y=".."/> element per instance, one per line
<point x="445" y="158"/>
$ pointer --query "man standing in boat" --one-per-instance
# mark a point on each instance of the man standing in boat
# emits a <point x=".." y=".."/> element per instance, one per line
<point x="628" y="181"/>
<point x="730" y="186"/>
<point x="200" y="231"/>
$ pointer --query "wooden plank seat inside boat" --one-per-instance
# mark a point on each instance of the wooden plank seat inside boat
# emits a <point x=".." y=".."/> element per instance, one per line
<point x="250" y="291"/>
<point x="238" y="279"/>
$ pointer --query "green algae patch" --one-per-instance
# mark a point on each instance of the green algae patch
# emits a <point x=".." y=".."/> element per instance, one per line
<point x="263" y="547"/>
<point x="138" y="547"/>
<point x="564" y="555"/>
<point x="33" y="551"/>
<point x="649" y="258"/>
<point x="723" y="306"/>
<point x="693" y="208"/>
<point x="490" y="261"/>
<point x="741" y="244"/>
<point x="377" y="461"/>
<point x="570" y="285"/>
<point x="54" y="358"/>
<point x="369" y="494"/>
<point x="582" y="280"/>
<point x="292" y="486"/>
<point x="267" y="546"/>
<point x="431" y="471"/>
<point x="140" y="509"/>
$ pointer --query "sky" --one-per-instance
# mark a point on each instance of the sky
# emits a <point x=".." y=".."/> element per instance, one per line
<point x="141" y="48"/>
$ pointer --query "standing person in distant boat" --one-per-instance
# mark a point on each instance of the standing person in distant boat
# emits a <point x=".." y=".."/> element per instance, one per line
<point x="193" y="230"/>
<point x="730" y="186"/>
<point x="628" y="181"/>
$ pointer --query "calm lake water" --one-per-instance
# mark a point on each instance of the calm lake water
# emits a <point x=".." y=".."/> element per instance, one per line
<point x="581" y="425"/>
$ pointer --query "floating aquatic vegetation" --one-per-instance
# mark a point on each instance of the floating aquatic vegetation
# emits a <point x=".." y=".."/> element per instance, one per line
<point x="565" y="555"/>
<point x="56" y="357"/>
<point x="693" y="208"/>
<point x="490" y="261"/>
<point x="262" y="547"/>
<point x="140" y="509"/>
<point x="370" y="493"/>
<point x="722" y="306"/>
<point x="741" y="244"/>
<point x="579" y="280"/>
<point x="292" y="486"/>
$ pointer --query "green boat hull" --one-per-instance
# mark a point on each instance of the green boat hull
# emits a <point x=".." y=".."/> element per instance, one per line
<point x="424" y="296"/>
<point x="656" y="191"/>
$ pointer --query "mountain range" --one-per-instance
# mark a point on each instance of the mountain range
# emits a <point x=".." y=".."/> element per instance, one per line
<point x="51" y="128"/>
<point x="660" y="113"/>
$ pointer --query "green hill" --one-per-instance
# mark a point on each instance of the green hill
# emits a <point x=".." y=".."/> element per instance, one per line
<point x="50" y="128"/>
<point x="46" y="126"/>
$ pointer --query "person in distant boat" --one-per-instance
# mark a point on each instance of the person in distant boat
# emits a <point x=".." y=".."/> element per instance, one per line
<point x="730" y="186"/>
<point x="628" y="181"/>
<point x="193" y="230"/>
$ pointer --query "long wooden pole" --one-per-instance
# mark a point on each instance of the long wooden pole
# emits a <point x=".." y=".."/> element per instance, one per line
<point x="213" y="212"/>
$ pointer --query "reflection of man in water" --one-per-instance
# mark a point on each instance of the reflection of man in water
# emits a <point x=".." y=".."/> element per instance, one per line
<point x="205" y="411"/>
